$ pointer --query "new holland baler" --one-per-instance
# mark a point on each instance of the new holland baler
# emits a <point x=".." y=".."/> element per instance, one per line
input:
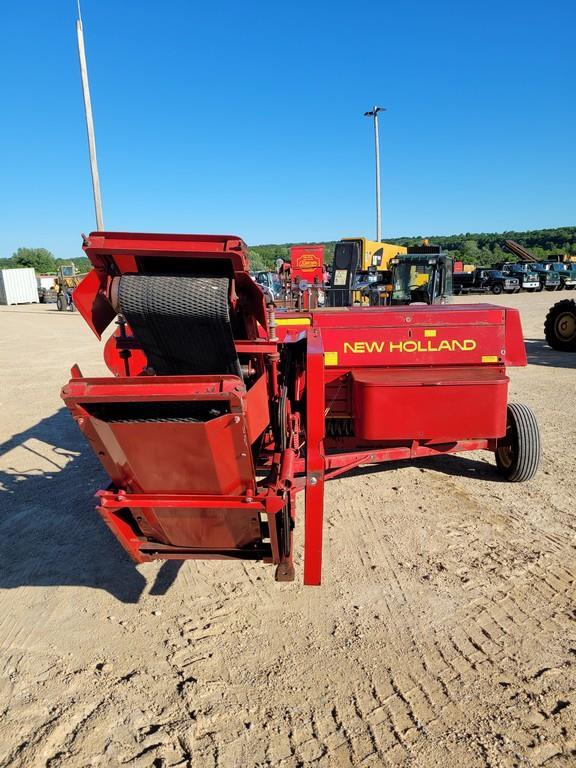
<point x="220" y="409"/>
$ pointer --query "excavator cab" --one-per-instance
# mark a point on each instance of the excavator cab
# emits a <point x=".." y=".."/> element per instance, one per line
<point x="422" y="276"/>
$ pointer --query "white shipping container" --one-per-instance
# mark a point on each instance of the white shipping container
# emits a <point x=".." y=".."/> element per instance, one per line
<point x="18" y="286"/>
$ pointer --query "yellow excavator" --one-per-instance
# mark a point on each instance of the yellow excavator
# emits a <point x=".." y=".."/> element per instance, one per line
<point x="64" y="283"/>
<point x="366" y="272"/>
<point x="358" y="264"/>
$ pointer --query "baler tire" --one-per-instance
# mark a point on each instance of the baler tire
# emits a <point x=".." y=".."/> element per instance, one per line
<point x="518" y="454"/>
<point x="560" y="326"/>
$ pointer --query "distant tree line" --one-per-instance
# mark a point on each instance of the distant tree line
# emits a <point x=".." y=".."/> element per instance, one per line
<point x="484" y="248"/>
<point x="42" y="260"/>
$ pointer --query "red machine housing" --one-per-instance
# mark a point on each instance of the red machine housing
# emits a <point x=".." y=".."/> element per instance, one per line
<point x="208" y="466"/>
<point x="307" y="263"/>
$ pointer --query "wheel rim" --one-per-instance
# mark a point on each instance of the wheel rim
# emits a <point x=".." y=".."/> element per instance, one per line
<point x="505" y="448"/>
<point x="565" y="326"/>
<point x="506" y="455"/>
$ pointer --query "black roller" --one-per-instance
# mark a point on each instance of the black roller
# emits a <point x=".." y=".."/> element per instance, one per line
<point x="181" y="322"/>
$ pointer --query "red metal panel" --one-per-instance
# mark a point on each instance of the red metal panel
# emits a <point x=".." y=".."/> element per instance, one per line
<point x="443" y="404"/>
<point x="162" y="457"/>
<point x="410" y="344"/>
<point x="155" y="456"/>
<point x="208" y="527"/>
<point x="92" y="305"/>
<point x="216" y="247"/>
<point x="515" y="347"/>
<point x="315" y="462"/>
<point x="307" y="263"/>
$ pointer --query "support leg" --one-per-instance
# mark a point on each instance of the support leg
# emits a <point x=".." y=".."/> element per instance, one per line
<point x="315" y="461"/>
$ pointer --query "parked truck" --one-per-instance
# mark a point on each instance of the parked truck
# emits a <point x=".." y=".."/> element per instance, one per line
<point x="549" y="279"/>
<point x="484" y="280"/>
<point x="567" y="273"/>
<point x="529" y="280"/>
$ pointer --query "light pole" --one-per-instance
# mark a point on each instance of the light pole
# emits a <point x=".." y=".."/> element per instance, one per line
<point x="89" y="123"/>
<point x="374" y="113"/>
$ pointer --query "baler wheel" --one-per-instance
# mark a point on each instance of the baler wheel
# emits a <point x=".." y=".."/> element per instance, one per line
<point x="560" y="326"/>
<point x="518" y="452"/>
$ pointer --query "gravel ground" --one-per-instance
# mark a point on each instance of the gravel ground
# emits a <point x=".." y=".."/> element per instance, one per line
<point x="443" y="634"/>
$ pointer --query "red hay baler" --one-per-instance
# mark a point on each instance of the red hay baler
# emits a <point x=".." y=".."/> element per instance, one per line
<point x="221" y="409"/>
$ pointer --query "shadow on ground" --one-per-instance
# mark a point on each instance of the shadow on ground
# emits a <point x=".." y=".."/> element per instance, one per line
<point x="539" y="353"/>
<point x="50" y="533"/>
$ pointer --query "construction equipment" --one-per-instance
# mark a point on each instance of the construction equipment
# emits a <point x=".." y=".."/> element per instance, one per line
<point x="518" y="250"/>
<point x="65" y="282"/>
<point x="560" y="326"/>
<point x="302" y="278"/>
<point x="359" y="265"/>
<point x="424" y="275"/>
<point x="221" y="409"/>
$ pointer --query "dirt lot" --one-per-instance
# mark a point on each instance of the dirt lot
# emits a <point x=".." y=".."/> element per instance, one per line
<point x="443" y="635"/>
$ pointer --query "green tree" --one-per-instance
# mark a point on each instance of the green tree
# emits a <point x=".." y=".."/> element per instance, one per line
<point x="38" y="258"/>
<point x="257" y="263"/>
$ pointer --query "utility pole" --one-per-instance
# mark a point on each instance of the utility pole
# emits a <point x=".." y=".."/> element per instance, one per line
<point x="374" y="114"/>
<point x="89" y="123"/>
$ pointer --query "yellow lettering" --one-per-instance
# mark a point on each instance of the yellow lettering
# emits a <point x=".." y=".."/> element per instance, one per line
<point x="409" y="346"/>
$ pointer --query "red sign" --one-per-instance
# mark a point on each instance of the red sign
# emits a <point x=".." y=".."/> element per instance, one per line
<point x="307" y="263"/>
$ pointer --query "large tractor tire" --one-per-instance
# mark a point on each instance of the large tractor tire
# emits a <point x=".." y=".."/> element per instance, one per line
<point x="61" y="302"/>
<point x="518" y="452"/>
<point x="560" y="326"/>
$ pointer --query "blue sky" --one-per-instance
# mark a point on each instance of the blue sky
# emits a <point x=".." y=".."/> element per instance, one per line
<point x="247" y="117"/>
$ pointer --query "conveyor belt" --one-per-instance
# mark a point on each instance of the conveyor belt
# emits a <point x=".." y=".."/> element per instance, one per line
<point x="182" y="322"/>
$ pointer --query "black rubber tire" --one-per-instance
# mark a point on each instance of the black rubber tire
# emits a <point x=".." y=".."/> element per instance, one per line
<point x="552" y="288"/>
<point x="569" y="287"/>
<point x="518" y="453"/>
<point x="531" y="290"/>
<point x="61" y="302"/>
<point x="540" y="288"/>
<point x="560" y="326"/>
<point x="497" y="289"/>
